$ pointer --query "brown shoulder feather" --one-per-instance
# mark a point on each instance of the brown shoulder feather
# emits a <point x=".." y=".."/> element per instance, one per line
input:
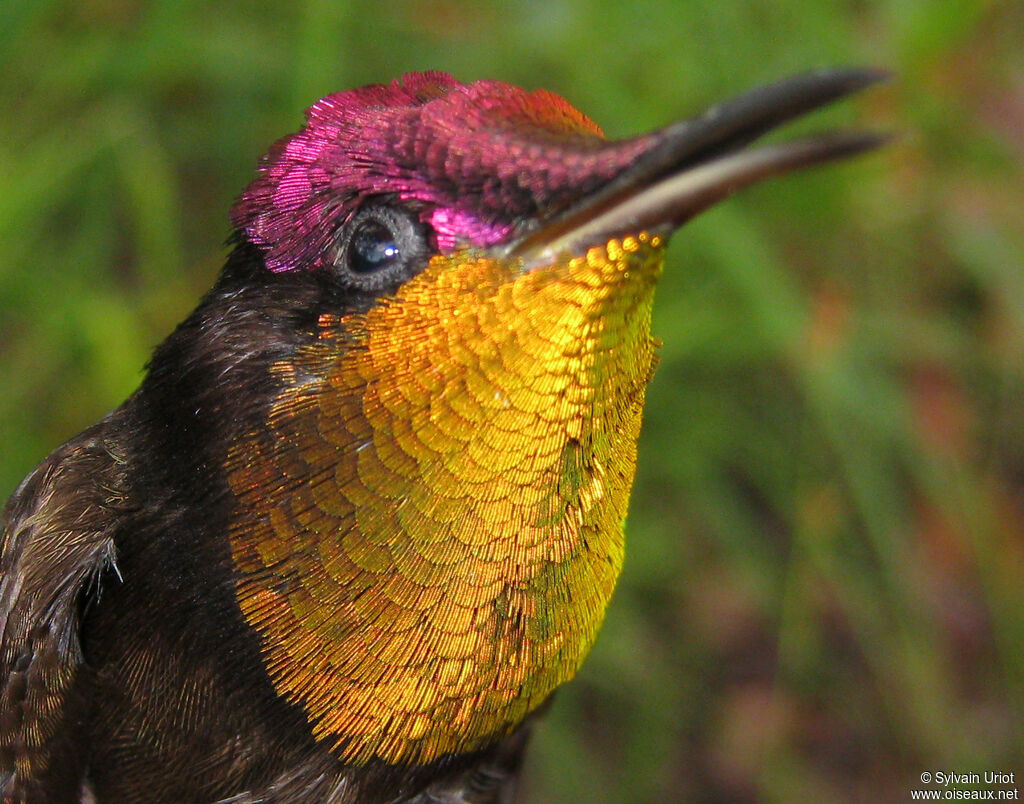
<point x="56" y="543"/>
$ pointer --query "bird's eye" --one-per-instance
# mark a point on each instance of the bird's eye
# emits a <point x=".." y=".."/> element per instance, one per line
<point x="372" y="248"/>
<point x="380" y="247"/>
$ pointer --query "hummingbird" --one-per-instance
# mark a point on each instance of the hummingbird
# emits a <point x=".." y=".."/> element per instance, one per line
<point x="364" y="514"/>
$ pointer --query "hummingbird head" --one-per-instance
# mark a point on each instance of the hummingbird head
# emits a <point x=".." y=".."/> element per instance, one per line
<point x="427" y="523"/>
<point x="468" y="164"/>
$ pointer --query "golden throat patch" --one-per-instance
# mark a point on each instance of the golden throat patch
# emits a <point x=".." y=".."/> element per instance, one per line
<point x="429" y="527"/>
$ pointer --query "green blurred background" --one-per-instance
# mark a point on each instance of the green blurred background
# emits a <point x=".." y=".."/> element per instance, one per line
<point x="824" y="586"/>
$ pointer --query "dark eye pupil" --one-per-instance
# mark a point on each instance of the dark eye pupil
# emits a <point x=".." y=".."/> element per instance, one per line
<point x="373" y="248"/>
<point x="381" y="245"/>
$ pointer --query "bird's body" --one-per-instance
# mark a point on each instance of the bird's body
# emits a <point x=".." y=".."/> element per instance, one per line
<point x="364" y="515"/>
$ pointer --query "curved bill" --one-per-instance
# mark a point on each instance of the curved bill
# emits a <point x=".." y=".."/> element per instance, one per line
<point x="696" y="163"/>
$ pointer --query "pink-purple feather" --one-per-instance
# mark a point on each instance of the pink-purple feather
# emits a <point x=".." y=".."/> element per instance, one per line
<point x="478" y="159"/>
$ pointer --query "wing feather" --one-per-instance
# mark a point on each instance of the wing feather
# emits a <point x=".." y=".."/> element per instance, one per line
<point x="57" y="542"/>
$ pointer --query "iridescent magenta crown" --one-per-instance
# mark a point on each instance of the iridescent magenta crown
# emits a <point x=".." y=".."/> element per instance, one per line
<point x="478" y="159"/>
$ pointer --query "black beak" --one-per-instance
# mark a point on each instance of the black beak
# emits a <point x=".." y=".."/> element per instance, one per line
<point x="693" y="164"/>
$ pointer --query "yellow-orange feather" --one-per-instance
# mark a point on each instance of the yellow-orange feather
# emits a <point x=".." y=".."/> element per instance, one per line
<point x="429" y="527"/>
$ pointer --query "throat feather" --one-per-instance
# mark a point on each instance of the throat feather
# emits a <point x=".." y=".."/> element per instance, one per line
<point x="427" y="535"/>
